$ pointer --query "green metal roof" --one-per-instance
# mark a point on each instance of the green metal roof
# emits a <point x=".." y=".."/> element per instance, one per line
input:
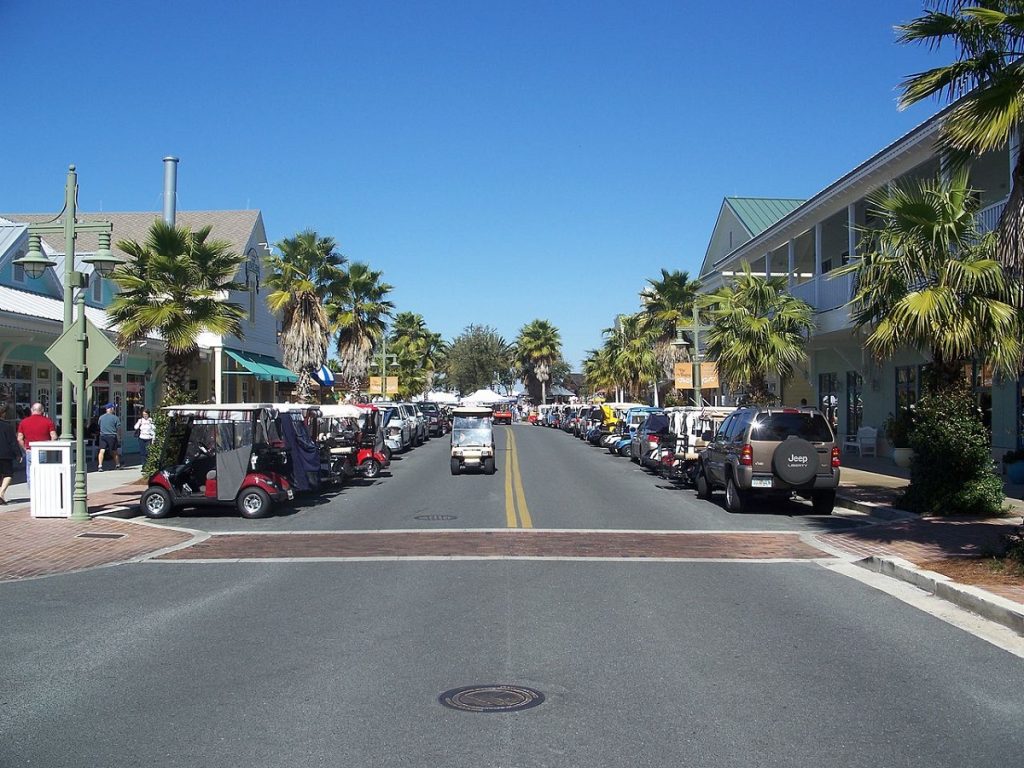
<point x="759" y="213"/>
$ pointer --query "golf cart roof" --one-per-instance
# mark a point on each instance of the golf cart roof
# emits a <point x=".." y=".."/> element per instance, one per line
<point x="219" y="407"/>
<point x="342" y="410"/>
<point x="472" y="410"/>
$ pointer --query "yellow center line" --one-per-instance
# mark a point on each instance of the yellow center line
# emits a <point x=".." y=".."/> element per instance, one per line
<point x="510" y="507"/>
<point x="517" y="478"/>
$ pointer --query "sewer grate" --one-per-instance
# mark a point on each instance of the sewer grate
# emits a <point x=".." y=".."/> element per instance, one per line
<point x="491" y="698"/>
<point x="101" y="536"/>
<point x="436" y="517"/>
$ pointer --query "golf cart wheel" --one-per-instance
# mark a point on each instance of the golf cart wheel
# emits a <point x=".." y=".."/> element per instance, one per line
<point x="253" y="503"/>
<point x="624" y="451"/>
<point x="489" y="466"/>
<point x="370" y="467"/>
<point x="156" y="503"/>
<point x="455" y="466"/>
<point x="387" y="453"/>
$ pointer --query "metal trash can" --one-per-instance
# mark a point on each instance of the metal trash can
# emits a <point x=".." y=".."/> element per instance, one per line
<point x="52" y="478"/>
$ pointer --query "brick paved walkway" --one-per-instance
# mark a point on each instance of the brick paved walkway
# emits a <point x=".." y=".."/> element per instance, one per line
<point x="38" y="547"/>
<point x="929" y="540"/>
<point x="513" y="543"/>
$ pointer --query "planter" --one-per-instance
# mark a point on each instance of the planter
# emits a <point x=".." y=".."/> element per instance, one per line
<point x="901" y="457"/>
<point x="1015" y="472"/>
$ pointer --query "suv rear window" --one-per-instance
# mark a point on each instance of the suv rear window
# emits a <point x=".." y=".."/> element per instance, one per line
<point x="657" y="422"/>
<point x="778" y="426"/>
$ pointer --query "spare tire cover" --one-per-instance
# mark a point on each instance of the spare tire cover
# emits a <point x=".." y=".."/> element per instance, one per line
<point x="795" y="461"/>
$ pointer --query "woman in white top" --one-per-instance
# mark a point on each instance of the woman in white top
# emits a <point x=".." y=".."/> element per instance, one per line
<point x="145" y="430"/>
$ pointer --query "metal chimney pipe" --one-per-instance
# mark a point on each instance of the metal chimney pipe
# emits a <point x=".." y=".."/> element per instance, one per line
<point x="170" y="188"/>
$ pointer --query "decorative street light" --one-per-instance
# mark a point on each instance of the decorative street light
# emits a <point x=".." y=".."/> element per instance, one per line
<point x="383" y="361"/>
<point x="103" y="261"/>
<point x="695" y="353"/>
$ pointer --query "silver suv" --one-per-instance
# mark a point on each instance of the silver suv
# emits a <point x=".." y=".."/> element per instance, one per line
<point x="762" y="452"/>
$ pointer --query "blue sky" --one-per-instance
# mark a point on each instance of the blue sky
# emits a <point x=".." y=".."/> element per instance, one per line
<point x="499" y="161"/>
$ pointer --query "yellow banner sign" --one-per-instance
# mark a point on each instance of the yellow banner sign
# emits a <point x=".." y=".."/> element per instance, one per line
<point x="683" y="373"/>
<point x="377" y="386"/>
<point x="709" y="376"/>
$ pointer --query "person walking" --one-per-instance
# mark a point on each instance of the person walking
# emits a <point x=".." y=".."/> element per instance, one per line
<point x="34" y="428"/>
<point x="145" y="430"/>
<point x="110" y="428"/>
<point x="9" y="453"/>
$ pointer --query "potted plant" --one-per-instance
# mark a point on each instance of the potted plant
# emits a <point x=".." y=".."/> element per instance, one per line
<point x="897" y="431"/>
<point x="1014" y="463"/>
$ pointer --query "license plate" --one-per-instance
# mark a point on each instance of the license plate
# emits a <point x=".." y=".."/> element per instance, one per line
<point x="291" y="494"/>
<point x="761" y="482"/>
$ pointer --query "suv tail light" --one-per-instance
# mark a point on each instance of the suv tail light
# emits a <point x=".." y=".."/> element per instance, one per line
<point x="747" y="455"/>
<point x="835" y="455"/>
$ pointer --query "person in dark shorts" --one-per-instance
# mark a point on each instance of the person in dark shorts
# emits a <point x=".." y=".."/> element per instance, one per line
<point x="110" y="428"/>
<point x="9" y="453"/>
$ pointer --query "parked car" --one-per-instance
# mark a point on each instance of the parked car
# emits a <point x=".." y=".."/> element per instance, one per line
<point x="762" y="452"/>
<point x="435" y="419"/>
<point x="647" y="436"/>
<point x="397" y="428"/>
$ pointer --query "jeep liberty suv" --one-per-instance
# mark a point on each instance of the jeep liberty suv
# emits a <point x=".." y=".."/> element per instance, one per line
<point x="771" y="451"/>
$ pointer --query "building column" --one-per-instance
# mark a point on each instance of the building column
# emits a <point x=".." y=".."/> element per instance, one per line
<point x="768" y="265"/>
<point x="851" y="230"/>
<point x="218" y="374"/>
<point x="791" y="254"/>
<point x="818" y="228"/>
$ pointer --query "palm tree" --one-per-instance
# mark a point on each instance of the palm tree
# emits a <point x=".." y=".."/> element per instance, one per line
<point x="538" y="347"/>
<point x="418" y="350"/>
<point x="174" y="284"/>
<point x="987" y="82"/>
<point x="299" y="279"/>
<point x="630" y="346"/>
<point x="928" y="280"/>
<point x="357" y="311"/>
<point x="757" y="329"/>
<point x="667" y="308"/>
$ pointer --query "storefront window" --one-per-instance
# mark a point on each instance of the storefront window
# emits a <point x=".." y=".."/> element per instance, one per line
<point x="827" y="399"/>
<point x="854" y="402"/>
<point x="134" y="399"/>
<point x="906" y="386"/>
<point x="15" y="391"/>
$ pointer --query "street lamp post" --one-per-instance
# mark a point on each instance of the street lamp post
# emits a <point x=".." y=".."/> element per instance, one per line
<point x="695" y="356"/>
<point x="386" y="360"/>
<point x="35" y="265"/>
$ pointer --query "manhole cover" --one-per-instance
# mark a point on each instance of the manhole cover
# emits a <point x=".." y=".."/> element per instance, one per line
<point x="101" y="536"/>
<point x="436" y="517"/>
<point x="491" y="698"/>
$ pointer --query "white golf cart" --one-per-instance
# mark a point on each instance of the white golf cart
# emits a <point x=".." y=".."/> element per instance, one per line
<point x="472" y="439"/>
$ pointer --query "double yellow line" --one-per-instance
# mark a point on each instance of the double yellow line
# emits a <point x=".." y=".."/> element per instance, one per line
<point x="515" y="499"/>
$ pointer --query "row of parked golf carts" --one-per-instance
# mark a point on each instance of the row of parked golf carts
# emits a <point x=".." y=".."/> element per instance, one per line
<point x="254" y="456"/>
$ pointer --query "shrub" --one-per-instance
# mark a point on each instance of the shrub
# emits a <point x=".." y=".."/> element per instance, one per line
<point x="897" y="428"/>
<point x="951" y="472"/>
<point x="160" y="419"/>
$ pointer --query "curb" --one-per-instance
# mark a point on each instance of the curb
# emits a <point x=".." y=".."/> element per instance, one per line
<point x="878" y="511"/>
<point x="974" y="599"/>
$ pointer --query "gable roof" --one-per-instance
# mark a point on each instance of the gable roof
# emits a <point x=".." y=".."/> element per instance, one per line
<point x="234" y="226"/>
<point x="756" y="214"/>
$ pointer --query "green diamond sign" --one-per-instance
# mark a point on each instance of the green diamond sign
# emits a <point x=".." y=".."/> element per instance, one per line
<point x="99" y="352"/>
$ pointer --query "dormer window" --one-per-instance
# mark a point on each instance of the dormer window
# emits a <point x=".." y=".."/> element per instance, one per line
<point x="19" y="271"/>
<point x="96" y="284"/>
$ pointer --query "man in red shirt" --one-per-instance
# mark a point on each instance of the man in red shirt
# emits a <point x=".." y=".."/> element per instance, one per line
<point x="33" y="429"/>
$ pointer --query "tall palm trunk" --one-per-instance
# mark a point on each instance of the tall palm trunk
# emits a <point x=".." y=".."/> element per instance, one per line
<point x="176" y="375"/>
<point x="303" y="392"/>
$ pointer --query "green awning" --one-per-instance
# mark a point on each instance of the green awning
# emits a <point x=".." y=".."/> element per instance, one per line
<point x="262" y="367"/>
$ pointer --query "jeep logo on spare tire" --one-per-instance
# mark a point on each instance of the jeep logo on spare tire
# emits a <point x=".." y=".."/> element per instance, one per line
<point x="795" y="461"/>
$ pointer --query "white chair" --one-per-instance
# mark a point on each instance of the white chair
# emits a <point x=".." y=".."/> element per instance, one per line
<point x="867" y="441"/>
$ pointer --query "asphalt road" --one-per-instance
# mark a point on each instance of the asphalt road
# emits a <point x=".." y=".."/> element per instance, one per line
<point x="291" y="664"/>
<point x="567" y="483"/>
<point x="342" y="663"/>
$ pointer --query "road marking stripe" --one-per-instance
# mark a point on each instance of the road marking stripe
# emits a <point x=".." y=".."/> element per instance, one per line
<point x="510" y="509"/>
<point x="538" y="531"/>
<point x="825" y="561"/>
<point x="517" y="479"/>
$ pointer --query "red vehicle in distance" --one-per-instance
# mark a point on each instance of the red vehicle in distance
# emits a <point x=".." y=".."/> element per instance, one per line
<point x="502" y="413"/>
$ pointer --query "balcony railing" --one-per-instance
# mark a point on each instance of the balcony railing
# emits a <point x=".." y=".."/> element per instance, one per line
<point x="824" y="293"/>
<point x="988" y="218"/>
